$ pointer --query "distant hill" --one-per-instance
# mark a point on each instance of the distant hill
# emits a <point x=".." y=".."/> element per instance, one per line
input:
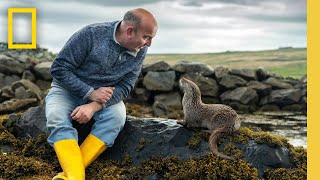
<point x="287" y="62"/>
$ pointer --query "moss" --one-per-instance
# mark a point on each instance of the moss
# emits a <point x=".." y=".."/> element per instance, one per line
<point x="265" y="137"/>
<point x="286" y="174"/>
<point x="127" y="159"/>
<point x="232" y="149"/>
<point x="38" y="148"/>
<point x="6" y="138"/>
<point x="206" y="167"/>
<point x="243" y="135"/>
<point x="138" y="110"/>
<point x="196" y="138"/>
<point x="140" y="144"/>
<point x="298" y="155"/>
<point x="12" y="167"/>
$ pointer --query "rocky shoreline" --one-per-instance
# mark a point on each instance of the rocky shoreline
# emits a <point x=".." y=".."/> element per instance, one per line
<point x="152" y="148"/>
<point x="155" y="148"/>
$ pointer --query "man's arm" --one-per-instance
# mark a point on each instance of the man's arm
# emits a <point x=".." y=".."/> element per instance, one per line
<point x="126" y="85"/>
<point x="69" y="58"/>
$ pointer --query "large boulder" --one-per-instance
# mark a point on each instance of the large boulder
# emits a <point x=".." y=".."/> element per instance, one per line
<point x="282" y="97"/>
<point x="247" y="74"/>
<point x="7" y="80"/>
<point x="193" y="67"/>
<point x="261" y="88"/>
<point x="232" y="81"/>
<point x="43" y="70"/>
<point x="29" y="87"/>
<point x="277" y="84"/>
<point x="14" y="105"/>
<point x="10" y="65"/>
<point x="244" y="95"/>
<point x="220" y="72"/>
<point x="159" y="81"/>
<point x="157" y="66"/>
<point x="164" y="104"/>
<point x="208" y="86"/>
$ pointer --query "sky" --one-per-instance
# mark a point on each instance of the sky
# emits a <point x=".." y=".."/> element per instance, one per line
<point x="184" y="26"/>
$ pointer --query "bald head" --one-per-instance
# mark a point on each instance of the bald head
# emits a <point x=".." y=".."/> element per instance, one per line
<point x="137" y="29"/>
<point x="140" y="17"/>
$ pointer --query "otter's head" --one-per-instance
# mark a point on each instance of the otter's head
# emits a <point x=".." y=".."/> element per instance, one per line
<point x="187" y="85"/>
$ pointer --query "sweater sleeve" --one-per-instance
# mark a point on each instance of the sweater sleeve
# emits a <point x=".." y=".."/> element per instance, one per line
<point x="126" y="85"/>
<point x="69" y="59"/>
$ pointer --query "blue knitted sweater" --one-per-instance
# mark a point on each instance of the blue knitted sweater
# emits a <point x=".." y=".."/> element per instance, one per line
<point x="92" y="58"/>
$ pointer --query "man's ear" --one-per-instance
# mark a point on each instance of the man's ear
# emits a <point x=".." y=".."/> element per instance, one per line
<point x="130" y="31"/>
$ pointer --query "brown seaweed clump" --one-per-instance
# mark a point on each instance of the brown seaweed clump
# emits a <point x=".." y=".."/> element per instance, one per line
<point x="206" y="167"/>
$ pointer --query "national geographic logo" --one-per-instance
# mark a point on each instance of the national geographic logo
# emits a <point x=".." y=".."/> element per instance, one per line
<point x="33" y="44"/>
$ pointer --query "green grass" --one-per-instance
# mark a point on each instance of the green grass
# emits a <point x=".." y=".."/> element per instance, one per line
<point x="284" y="62"/>
<point x="293" y="70"/>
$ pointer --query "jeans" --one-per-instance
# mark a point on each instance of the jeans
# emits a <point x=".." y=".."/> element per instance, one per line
<point x="59" y="105"/>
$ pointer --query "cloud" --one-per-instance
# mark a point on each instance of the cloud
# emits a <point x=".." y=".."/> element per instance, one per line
<point x="191" y="26"/>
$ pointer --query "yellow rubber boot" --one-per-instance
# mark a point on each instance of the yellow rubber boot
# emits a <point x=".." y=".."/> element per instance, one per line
<point x="70" y="159"/>
<point x="91" y="148"/>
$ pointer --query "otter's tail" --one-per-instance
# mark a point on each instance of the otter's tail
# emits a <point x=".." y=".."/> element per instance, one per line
<point x="213" y="141"/>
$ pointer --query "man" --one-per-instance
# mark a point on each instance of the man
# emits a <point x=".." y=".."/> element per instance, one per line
<point x="95" y="70"/>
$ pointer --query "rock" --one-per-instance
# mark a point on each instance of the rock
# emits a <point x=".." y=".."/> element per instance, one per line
<point x="207" y="86"/>
<point x="264" y="157"/>
<point x="269" y="107"/>
<point x="193" y="67"/>
<point x="10" y="65"/>
<point x="243" y="95"/>
<point x="242" y="107"/>
<point x="28" y="75"/>
<point x="9" y="79"/>
<point x="159" y="109"/>
<point x="157" y="66"/>
<point x="261" y="88"/>
<point x="231" y="81"/>
<point x="277" y="84"/>
<point x="282" y="97"/>
<point x="210" y="100"/>
<point x="2" y="83"/>
<point x="14" y="105"/>
<point x="164" y="104"/>
<point x="32" y="123"/>
<point x="304" y="79"/>
<point x="6" y="93"/>
<point x="141" y="94"/>
<point x="21" y="93"/>
<point x="42" y="70"/>
<point x="30" y="86"/>
<point x="220" y="72"/>
<point x="170" y="99"/>
<point x="293" y="107"/>
<point x="247" y="74"/>
<point x="262" y="74"/>
<point x="159" y="81"/>
<point x="43" y="85"/>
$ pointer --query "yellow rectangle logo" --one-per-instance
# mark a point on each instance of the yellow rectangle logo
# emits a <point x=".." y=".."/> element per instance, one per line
<point x="33" y="44"/>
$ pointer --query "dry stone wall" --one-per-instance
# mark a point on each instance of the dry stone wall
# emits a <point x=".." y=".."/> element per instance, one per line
<point x="25" y="79"/>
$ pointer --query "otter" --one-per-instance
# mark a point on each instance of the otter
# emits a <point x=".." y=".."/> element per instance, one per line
<point x="218" y="118"/>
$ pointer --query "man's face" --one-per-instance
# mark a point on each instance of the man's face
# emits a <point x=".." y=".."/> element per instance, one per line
<point x="142" y="37"/>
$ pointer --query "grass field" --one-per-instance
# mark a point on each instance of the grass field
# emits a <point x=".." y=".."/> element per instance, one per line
<point x="289" y="62"/>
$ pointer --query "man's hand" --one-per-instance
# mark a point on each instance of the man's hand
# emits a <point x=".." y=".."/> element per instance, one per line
<point x="101" y="95"/>
<point x="83" y="114"/>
